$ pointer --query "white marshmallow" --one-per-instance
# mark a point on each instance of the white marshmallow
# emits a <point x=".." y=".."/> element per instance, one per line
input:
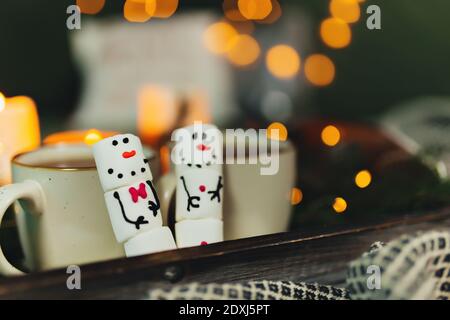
<point x="133" y="209"/>
<point x="155" y="240"/>
<point x="199" y="195"/>
<point x="197" y="144"/>
<point x="120" y="161"/>
<point x="191" y="233"/>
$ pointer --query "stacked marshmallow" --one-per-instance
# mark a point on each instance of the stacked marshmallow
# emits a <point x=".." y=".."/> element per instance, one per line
<point x="197" y="158"/>
<point x="131" y="199"/>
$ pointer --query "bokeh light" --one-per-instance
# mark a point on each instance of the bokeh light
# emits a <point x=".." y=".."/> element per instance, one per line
<point x="244" y="50"/>
<point x="335" y="33"/>
<point x="218" y="36"/>
<point x="90" y="6"/>
<point x="319" y="70"/>
<point x="255" y="9"/>
<point x="231" y="10"/>
<point x="331" y="136"/>
<point x="2" y="102"/>
<point x="340" y="205"/>
<point x="296" y="196"/>
<point x="135" y="11"/>
<point x="165" y="8"/>
<point x="347" y="10"/>
<point x="363" y="179"/>
<point x="283" y="61"/>
<point x="277" y="131"/>
<point x="92" y="136"/>
<point x="274" y="15"/>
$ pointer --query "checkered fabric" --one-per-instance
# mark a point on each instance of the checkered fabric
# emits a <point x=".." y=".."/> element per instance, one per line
<point x="411" y="267"/>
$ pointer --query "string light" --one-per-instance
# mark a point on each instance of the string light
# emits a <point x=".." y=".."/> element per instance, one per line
<point x="283" y="61"/>
<point x="217" y="37"/>
<point x="347" y="10"/>
<point x="363" y="179"/>
<point x="90" y="6"/>
<point x="331" y="136"/>
<point x="340" y="205"/>
<point x="244" y="50"/>
<point x="296" y="196"/>
<point x="135" y="11"/>
<point x="319" y="70"/>
<point x="335" y="33"/>
<point x="255" y="9"/>
<point x="277" y="131"/>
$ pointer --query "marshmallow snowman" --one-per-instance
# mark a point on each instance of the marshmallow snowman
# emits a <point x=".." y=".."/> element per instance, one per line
<point x="130" y="196"/>
<point x="197" y="158"/>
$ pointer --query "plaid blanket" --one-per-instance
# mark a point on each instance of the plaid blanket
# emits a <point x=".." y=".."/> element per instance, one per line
<point x="411" y="267"/>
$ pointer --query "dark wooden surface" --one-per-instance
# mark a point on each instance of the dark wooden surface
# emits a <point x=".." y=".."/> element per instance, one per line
<point x="309" y="255"/>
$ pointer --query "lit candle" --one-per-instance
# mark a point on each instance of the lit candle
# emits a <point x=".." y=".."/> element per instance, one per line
<point x="88" y="137"/>
<point x="19" y="131"/>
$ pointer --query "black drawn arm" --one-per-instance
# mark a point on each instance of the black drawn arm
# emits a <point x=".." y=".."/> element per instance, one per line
<point x="216" y="193"/>
<point x="191" y="200"/>
<point x="140" y="220"/>
<point x="153" y="206"/>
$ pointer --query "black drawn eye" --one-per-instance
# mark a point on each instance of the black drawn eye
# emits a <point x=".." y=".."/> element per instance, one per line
<point x="142" y="170"/>
<point x="145" y="161"/>
<point x="126" y="140"/>
<point x="133" y="173"/>
<point x="120" y="176"/>
<point x="110" y="171"/>
<point x="115" y="143"/>
<point x="194" y="136"/>
<point x="204" y="136"/>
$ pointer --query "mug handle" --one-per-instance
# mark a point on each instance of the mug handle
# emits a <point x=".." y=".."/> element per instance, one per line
<point x="30" y="191"/>
<point x="166" y="186"/>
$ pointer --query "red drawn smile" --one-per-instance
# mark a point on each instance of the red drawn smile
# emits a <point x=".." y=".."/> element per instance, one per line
<point x="202" y="147"/>
<point x="130" y="154"/>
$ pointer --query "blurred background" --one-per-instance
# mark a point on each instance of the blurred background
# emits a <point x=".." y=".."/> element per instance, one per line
<point x="367" y="110"/>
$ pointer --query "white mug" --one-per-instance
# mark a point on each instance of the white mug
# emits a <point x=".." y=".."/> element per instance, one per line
<point x="62" y="217"/>
<point x="253" y="204"/>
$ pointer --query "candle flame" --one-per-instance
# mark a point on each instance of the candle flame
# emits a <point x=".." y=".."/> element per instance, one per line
<point x="92" y="136"/>
<point x="2" y="102"/>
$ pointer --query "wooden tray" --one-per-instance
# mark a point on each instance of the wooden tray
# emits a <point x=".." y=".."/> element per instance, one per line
<point x="308" y="255"/>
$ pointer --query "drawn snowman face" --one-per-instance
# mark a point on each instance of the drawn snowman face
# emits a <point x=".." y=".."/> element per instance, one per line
<point x="197" y="146"/>
<point x="120" y="161"/>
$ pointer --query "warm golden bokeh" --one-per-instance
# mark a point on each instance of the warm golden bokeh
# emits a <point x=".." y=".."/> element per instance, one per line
<point x="335" y="33"/>
<point x="135" y="11"/>
<point x="339" y="205"/>
<point x="347" y="10"/>
<point x="231" y="10"/>
<point x="274" y="15"/>
<point x="92" y="136"/>
<point x="319" y="70"/>
<point x="90" y="6"/>
<point x="255" y="9"/>
<point x="156" y="114"/>
<point x="244" y="50"/>
<point x="331" y="136"/>
<point x="277" y="131"/>
<point x="150" y="7"/>
<point x="363" y="179"/>
<point x="165" y="8"/>
<point x="2" y="102"/>
<point x="296" y="196"/>
<point x="217" y="37"/>
<point x="283" y="61"/>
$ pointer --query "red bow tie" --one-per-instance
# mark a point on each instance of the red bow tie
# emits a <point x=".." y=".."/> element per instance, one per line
<point x="135" y="193"/>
